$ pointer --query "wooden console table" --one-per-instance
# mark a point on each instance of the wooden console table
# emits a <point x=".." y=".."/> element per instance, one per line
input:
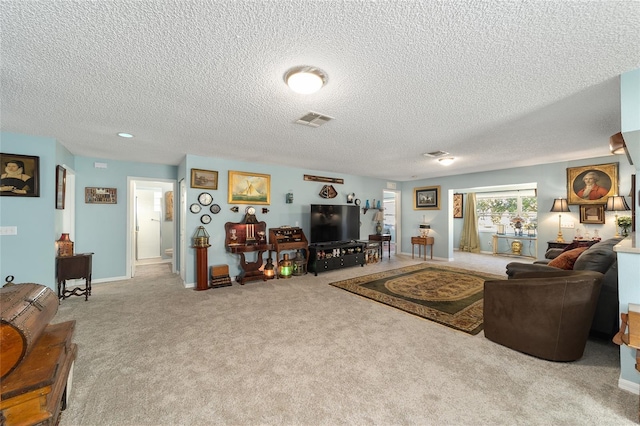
<point x="77" y="267"/>
<point x="422" y="242"/>
<point x="382" y="238"/>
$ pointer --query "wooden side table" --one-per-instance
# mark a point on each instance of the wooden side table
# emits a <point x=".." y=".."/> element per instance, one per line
<point x="76" y="267"/>
<point x="422" y="242"/>
<point x="382" y="238"/>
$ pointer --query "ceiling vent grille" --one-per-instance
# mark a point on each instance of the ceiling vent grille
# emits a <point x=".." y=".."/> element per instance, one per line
<point x="313" y="119"/>
<point x="435" y="154"/>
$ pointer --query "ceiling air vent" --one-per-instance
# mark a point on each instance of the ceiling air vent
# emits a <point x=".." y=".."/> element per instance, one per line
<point x="313" y="119"/>
<point x="435" y="154"/>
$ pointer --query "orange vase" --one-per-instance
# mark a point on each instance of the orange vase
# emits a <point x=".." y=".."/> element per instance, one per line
<point x="64" y="246"/>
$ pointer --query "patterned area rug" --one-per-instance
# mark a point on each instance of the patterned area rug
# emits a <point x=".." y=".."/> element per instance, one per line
<point x="447" y="295"/>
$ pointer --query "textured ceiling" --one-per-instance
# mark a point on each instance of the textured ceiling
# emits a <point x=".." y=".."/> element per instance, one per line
<point x="497" y="84"/>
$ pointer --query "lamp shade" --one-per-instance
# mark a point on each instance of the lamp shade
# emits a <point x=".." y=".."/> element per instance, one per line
<point x="378" y="217"/>
<point x="425" y="226"/>
<point x="560" y="205"/>
<point x="617" y="203"/>
<point x="616" y="144"/>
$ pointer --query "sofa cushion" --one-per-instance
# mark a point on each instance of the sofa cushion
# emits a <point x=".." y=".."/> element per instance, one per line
<point x="599" y="257"/>
<point x="567" y="259"/>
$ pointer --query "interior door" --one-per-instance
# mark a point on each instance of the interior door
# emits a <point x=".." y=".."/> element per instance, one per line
<point x="148" y="221"/>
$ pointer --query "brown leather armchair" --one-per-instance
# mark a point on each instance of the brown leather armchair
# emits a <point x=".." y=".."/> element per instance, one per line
<point x="544" y="314"/>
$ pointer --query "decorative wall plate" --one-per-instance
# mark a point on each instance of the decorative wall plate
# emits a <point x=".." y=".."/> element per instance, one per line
<point x="328" y="191"/>
<point x="205" y="218"/>
<point x="205" y="198"/>
<point x="215" y="209"/>
<point x="194" y="208"/>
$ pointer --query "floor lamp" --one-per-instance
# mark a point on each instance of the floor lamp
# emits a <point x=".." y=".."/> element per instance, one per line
<point x="617" y="203"/>
<point x="560" y="205"/>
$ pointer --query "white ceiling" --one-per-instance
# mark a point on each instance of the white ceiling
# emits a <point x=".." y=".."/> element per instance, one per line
<point x="498" y="84"/>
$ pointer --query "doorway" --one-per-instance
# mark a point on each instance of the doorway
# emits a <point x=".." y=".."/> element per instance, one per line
<point x="391" y="224"/>
<point x="151" y="236"/>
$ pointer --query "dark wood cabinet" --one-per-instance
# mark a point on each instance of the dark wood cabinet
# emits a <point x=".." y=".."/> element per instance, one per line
<point x="330" y="256"/>
<point x="287" y="238"/>
<point x="74" y="267"/>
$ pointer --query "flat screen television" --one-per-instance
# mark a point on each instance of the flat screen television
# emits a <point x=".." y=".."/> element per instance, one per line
<point x="334" y="223"/>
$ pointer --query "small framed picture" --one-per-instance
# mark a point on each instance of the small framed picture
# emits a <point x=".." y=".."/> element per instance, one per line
<point x="20" y="175"/>
<point x="592" y="213"/>
<point x="457" y="206"/>
<point x="100" y="195"/>
<point x="61" y="186"/>
<point x="426" y="198"/>
<point x="204" y="179"/>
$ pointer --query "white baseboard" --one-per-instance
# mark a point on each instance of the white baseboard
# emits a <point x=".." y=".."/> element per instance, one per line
<point x="104" y="280"/>
<point x="629" y="386"/>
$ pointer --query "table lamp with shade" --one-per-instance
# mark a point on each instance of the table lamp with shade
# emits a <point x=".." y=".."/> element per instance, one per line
<point x="424" y="230"/>
<point x="617" y="203"/>
<point x="560" y="205"/>
<point x="378" y="218"/>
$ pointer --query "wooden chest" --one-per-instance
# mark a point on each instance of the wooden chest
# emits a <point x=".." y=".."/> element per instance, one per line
<point x="25" y="311"/>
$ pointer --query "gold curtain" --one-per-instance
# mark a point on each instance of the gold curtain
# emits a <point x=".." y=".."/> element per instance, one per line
<point x="469" y="238"/>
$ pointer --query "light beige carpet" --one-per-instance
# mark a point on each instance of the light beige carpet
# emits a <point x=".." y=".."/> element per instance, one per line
<point x="301" y="352"/>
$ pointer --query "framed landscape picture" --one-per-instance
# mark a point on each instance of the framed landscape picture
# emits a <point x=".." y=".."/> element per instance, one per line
<point x="249" y="188"/>
<point x="20" y="175"/>
<point x="426" y="198"/>
<point x="592" y="184"/>
<point x="204" y="179"/>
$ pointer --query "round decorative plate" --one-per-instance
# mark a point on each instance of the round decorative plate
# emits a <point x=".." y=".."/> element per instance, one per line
<point x="357" y="201"/>
<point x="205" y="198"/>
<point x="215" y="209"/>
<point x="194" y="208"/>
<point x="205" y="218"/>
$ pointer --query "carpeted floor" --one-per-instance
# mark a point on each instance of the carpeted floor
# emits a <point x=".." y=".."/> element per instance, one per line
<point x="447" y="295"/>
<point x="301" y="352"/>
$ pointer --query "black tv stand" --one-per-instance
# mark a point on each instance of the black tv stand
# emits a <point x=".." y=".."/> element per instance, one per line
<point x="335" y="255"/>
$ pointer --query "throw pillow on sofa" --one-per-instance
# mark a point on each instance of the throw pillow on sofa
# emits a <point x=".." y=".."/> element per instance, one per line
<point x="567" y="259"/>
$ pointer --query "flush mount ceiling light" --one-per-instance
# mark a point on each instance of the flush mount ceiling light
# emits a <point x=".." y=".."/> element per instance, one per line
<point x="125" y="135"/>
<point x="446" y="161"/>
<point x="305" y="79"/>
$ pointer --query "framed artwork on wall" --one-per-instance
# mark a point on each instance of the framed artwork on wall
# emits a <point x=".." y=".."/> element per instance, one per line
<point x="592" y="213"/>
<point x="100" y="195"/>
<point x="61" y="186"/>
<point x="204" y="179"/>
<point x="592" y="184"/>
<point x="249" y="188"/>
<point x="20" y="175"/>
<point x="457" y="206"/>
<point x="426" y="198"/>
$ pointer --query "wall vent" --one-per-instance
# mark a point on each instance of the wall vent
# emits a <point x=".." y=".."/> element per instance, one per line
<point x="435" y="154"/>
<point x="313" y="119"/>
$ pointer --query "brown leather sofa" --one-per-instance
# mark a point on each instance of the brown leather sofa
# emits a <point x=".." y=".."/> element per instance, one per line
<point x="547" y="315"/>
<point x="598" y="257"/>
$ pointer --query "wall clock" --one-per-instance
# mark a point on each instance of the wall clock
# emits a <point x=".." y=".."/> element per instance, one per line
<point x="205" y="198"/>
<point x="205" y="219"/>
<point x="215" y="209"/>
<point x="357" y="201"/>
<point x="194" y="208"/>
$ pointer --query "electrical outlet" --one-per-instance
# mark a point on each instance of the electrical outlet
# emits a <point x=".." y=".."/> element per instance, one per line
<point x="568" y="225"/>
<point x="8" y="230"/>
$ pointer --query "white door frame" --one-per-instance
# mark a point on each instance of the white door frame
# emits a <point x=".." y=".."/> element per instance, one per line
<point x="130" y="263"/>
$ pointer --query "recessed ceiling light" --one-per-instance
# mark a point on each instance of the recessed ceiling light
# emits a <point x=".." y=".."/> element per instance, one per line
<point x="446" y="161"/>
<point x="305" y="80"/>
<point x="125" y="135"/>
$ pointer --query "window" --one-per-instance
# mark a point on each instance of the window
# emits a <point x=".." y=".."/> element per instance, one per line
<point x="497" y="210"/>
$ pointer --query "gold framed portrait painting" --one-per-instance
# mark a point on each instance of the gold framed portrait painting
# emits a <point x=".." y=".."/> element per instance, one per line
<point x="592" y="184"/>
<point x="20" y="175"/>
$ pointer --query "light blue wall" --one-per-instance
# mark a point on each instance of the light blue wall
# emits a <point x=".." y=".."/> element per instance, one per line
<point x="102" y="228"/>
<point x="30" y="255"/>
<point x="283" y="179"/>
<point x="551" y="180"/>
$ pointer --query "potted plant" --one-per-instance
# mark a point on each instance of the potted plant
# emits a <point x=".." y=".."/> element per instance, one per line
<point x="624" y="222"/>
